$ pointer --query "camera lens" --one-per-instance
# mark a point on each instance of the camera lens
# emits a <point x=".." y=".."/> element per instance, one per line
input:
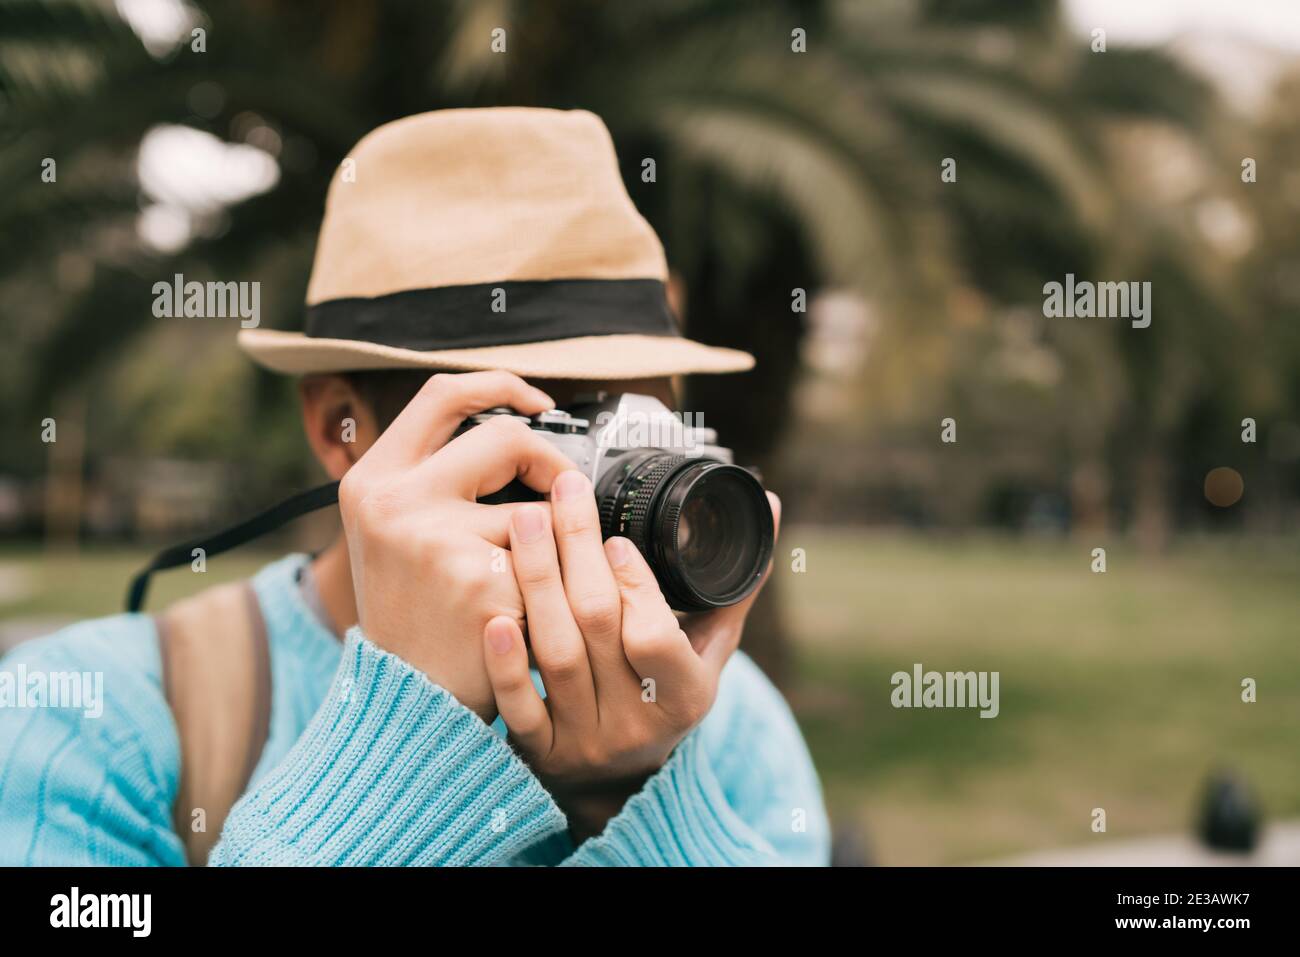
<point x="705" y="527"/>
<point x="711" y="540"/>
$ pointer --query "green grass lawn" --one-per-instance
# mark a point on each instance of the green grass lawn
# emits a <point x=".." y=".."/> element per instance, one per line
<point x="94" y="581"/>
<point x="1119" y="691"/>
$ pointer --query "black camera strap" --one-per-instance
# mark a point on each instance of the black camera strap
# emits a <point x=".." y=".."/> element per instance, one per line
<point x="222" y="541"/>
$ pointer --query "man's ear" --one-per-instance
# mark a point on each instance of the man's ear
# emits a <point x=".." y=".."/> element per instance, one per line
<point x="339" y="426"/>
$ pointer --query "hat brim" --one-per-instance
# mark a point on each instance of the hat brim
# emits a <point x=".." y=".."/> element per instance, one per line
<point x="588" y="357"/>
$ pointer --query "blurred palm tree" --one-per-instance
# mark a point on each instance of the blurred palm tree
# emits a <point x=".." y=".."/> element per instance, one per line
<point x="777" y="166"/>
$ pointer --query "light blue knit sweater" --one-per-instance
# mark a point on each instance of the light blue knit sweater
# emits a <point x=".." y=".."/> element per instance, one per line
<point x="368" y="762"/>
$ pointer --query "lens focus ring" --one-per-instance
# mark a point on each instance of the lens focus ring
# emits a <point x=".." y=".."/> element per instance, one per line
<point x="711" y="560"/>
<point x="637" y="492"/>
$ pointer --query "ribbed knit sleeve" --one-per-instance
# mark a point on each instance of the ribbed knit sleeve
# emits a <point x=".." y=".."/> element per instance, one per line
<point x="740" y="790"/>
<point x="392" y="770"/>
<point x="679" y="819"/>
<point x="91" y="784"/>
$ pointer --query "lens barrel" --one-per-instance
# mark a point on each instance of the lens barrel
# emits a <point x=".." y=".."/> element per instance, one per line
<point x="705" y="527"/>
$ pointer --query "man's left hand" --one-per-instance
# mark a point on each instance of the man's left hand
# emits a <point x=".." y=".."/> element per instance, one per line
<point x="625" y="679"/>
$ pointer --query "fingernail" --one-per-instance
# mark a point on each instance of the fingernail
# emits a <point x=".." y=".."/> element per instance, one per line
<point x="569" y="485"/>
<point x="545" y="400"/>
<point x="499" y="637"/>
<point x="529" y="522"/>
<point x="619" y="551"/>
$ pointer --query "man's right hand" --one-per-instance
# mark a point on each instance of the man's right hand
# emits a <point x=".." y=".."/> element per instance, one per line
<point x="428" y="561"/>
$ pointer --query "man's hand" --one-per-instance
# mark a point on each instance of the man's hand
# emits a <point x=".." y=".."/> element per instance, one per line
<point x="625" y="679"/>
<point x="428" y="562"/>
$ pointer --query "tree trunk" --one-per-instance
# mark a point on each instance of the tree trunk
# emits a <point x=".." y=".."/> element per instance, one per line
<point x="63" y="484"/>
<point x="1090" y="499"/>
<point x="1151" y="502"/>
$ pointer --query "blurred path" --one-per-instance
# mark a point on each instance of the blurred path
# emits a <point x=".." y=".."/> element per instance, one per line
<point x="21" y="629"/>
<point x="1279" y="848"/>
<point x="15" y="585"/>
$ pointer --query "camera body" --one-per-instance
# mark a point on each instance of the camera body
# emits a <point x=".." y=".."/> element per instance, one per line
<point x="703" y="523"/>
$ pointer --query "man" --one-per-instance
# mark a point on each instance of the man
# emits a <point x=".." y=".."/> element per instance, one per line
<point x="500" y="245"/>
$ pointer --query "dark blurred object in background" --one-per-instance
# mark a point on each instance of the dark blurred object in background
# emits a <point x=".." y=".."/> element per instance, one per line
<point x="1230" y="815"/>
<point x="849" y="847"/>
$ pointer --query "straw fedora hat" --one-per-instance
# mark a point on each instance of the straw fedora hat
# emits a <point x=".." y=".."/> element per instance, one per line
<point x="487" y="239"/>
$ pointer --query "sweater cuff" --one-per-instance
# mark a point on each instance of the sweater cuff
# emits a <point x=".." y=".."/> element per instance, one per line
<point x="681" y="818"/>
<point x="392" y="770"/>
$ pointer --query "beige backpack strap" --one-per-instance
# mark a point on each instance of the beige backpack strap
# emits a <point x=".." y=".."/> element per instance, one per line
<point x="217" y="678"/>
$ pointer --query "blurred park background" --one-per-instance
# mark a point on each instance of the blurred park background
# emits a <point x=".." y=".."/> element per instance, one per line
<point x="775" y="171"/>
